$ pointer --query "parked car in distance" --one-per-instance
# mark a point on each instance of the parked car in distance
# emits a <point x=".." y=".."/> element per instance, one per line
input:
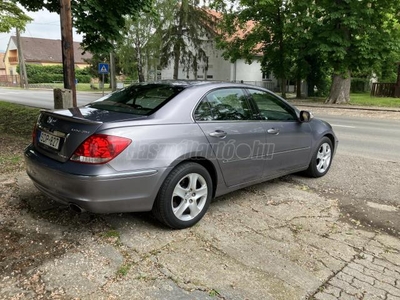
<point x="170" y="147"/>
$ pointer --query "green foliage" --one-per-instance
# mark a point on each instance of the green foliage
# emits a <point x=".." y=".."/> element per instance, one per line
<point x="140" y="48"/>
<point x="186" y="30"/>
<point x="359" y="85"/>
<point x="357" y="35"/>
<point x="264" y="28"/>
<point x="12" y="16"/>
<point x="17" y="119"/>
<point x="48" y="74"/>
<point x="100" y="21"/>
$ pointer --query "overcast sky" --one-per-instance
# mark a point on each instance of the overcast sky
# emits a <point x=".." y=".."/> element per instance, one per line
<point x="44" y="25"/>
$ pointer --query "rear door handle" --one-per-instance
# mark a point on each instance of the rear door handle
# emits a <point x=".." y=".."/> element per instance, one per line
<point x="218" y="134"/>
<point x="273" y="131"/>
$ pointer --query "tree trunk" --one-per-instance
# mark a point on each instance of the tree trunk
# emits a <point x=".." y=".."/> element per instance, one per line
<point x="283" y="87"/>
<point x="340" y="89"/>
<point x="177" y="55"/>
<point x="298" y="88"/>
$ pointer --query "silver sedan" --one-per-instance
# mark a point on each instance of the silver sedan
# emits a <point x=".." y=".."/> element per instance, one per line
<point x="170" y="147"/>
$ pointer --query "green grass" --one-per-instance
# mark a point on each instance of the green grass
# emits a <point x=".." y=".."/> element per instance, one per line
<point x="364" y="99"/>
<point x="17" y="120"/>
<point x="123" y="270"/>
<point x="16" y="125"/>
<point x="80" y="87"/>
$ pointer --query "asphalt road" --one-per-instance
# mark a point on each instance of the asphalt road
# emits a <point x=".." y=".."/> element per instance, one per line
<point x="362" y="137"/>
<point x="366" y="137"/>
<point x="41" y="98"/>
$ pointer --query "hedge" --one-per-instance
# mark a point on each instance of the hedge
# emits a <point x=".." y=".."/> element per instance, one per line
<point x="49" y="74"/>
<point x="359" y="85"/>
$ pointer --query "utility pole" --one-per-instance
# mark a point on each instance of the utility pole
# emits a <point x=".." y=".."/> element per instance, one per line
<point x="68" y="48"/>
<point x="23" y="77"/>
<point x="112" y="72"/>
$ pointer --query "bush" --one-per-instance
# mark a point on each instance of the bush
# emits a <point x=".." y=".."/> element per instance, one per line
<point x="48" y="74"/>
<point x="359" y="85"/>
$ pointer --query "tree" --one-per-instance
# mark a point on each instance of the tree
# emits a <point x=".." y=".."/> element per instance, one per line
<point x="257" y="27"/>
<point x="140" y="46"/>
<point x="98" y="20"/>
<point x="11" y="16"/>
<point x="354" y="36"/>
<point x="185" y="36"/>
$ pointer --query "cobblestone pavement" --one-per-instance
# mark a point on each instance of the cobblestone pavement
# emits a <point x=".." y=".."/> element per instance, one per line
<point x="365" y="277"/>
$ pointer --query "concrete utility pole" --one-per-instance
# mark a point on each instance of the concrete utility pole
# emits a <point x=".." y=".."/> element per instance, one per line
<point x="68" y="48"/>
<point x="113" y="82"/>
<point x="23" y="79"/>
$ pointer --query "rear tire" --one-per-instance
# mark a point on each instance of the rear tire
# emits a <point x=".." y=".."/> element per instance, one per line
<point x="184" y="196"/>
<point x="321" y="160"/>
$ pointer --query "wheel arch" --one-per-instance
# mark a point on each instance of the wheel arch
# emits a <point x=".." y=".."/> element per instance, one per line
<point x="208" y="165"/>
<point x="332" y="139"/>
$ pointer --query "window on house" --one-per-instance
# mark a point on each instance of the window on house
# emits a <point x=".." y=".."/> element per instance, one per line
<point x="266" y="75"/>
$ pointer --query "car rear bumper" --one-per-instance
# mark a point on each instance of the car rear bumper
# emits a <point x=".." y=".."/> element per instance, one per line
<point x="107" y="193"/>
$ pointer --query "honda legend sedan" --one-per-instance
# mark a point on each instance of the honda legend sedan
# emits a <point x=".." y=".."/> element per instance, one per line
<point x="170" y="147"/>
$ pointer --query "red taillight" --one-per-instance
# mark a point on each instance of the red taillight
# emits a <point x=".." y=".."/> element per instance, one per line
<point x="34" y="134"/>
<point x="100" y="148"/>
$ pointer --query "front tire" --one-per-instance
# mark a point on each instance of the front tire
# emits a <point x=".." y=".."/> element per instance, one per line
<point x="322" y="159"/>
<point x="184" y="196"/>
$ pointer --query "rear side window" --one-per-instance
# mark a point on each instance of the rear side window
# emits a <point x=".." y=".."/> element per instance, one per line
<point x="224" y="105"/>
<point x="138" y="99"/>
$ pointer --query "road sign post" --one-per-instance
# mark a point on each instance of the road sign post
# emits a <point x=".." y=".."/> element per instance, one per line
<point x="103" y="69"/>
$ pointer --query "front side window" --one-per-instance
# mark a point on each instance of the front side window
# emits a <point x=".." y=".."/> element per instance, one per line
<point x="138" y="99"/>
<point x="271" y="107"/>
<point x="225" y="105"/>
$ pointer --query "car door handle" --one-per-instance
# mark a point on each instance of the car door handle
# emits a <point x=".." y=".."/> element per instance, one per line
<point x="273" y="131"/>
<point x="218" y="134"/>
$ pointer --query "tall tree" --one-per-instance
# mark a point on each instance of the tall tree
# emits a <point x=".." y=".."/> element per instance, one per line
<point x="253" y="27"/>
<point x="98" y="20"/>
<point x="185" y="36"/>
<point x="11" y="16"/>
<point x="355" y="35"/>
<point x="141" y="45"/>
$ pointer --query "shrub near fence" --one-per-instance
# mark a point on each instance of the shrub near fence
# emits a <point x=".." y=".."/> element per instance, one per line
<point x="359" y="85"/>
<point x="48" y="74"/>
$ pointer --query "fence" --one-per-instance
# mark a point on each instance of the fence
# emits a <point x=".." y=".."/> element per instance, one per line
<point x="383" y="89"/>
<point x="9" y="80"/>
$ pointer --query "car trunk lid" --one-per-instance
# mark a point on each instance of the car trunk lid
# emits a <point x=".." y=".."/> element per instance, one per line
<point x="59" y="133"/>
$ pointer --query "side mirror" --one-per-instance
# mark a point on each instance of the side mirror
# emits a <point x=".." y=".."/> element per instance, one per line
<point x="306" y="116"/>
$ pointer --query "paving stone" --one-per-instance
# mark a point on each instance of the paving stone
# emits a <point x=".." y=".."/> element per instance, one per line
<point x="345" y="277"/>
<point x="380" y="276"/>
<point x="358" y="275"/>
<point x="367" y="288"/>
<point x="345" y="286"/>
<point x="357" y="267"/>
<point x="370" y="265"/>
<point x="386" y="264"/>
<point x="324" y="296"/>
<point x="335" y="291"/>
<point x="388" y="288"/>
<point x="345" y="296"/>
<point x="392" y="274"/>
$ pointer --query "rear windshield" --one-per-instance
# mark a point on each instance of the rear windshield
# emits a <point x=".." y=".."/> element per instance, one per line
<point x="138" y="99"/>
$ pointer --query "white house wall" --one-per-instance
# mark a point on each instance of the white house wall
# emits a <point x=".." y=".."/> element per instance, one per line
<point x="220" y="69"/>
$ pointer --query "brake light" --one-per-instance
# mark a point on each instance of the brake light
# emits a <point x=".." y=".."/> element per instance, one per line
<point x="100" y="148"/>
<point x="34" y="134"/>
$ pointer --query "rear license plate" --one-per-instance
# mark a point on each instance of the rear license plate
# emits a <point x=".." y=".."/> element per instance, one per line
<point x="49" y="140"/>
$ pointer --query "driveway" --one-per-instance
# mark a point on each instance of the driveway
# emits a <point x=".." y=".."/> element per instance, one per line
<point x="291" y="238"/>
